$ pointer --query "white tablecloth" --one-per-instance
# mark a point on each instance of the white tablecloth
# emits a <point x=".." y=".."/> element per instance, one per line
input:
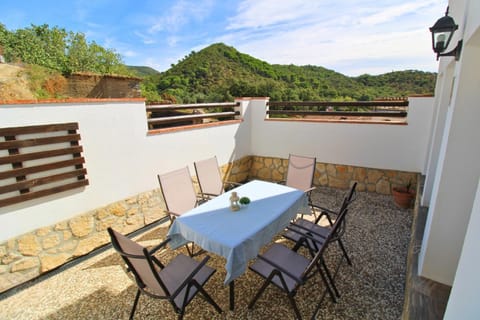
<point x="238" y="236"/>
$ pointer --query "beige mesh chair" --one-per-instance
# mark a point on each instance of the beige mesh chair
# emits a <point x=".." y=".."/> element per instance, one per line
<point x="178" y="192"/>
<point x="179" y="281"/>
<point x="179" y="195"/>
<point x="300" y="174"/>
<point x="210" y="179"/>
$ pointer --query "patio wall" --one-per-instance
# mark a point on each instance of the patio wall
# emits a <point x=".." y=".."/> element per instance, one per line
<point x="122" y="162"/>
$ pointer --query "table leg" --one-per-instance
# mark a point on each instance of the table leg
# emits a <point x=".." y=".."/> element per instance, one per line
<point x="232" y="295"/>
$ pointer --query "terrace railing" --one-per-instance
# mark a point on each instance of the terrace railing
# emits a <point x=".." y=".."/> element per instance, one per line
<point x="357" y="110"/>
<point x="181" y="115"/>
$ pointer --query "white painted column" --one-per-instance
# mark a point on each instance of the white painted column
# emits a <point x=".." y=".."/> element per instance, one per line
<point x="463" y="300"/>
<point x="457" y="174"/>
<point x="442" y="101"/>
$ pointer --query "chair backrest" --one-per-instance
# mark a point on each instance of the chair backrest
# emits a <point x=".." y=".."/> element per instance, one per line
<point x="178" y="191"/>
<point x="346" y="203"/>
<point x="300" y="172"/>
<point x="351" y="194"/>
<point x="209" y="177"/>
<point x="332" y="233"/>
<point x="139" y="263"/>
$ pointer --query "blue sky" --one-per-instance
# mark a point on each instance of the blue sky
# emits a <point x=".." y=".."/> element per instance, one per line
<point x="352" y="37"/>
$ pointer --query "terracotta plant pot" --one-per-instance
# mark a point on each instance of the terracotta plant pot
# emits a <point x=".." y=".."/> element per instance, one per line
<point x="403" y="197"/>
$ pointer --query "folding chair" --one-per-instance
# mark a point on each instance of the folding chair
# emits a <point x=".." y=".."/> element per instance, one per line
<point x="210" y="179"/>
<point x="179" y="195"/>
<point x="178" y="192"/>
<point x="289" y="270"/>
<point x="300" y="174"/>
<point x="304" y="226"/>
<point x="178" y="282"/>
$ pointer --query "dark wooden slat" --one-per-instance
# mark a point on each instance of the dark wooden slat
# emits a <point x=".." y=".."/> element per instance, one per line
<point x="39" y="155"/>
<point x="42" y="193"/>
<point x="192" y="106"/>
<point x="40" y="168"/>
<point x="191" y="117"/>
<point x="38" y="141"/>
<point x="401" y="103"/>
<point x="340" y="113"/>
<point x="38" y="129"/>
<point x="42" y="181"/>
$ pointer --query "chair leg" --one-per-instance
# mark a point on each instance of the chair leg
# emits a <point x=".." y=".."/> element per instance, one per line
<point x="135" y="304"/>
<point x="326" y="282"/>
<point x="294" y="306"/>
<point x="259" y="293"/>
<point x="207" y="297"/>
<point x="330" y="278"/>
<point x="340" y="243"/>
<point x="191" y="252"/>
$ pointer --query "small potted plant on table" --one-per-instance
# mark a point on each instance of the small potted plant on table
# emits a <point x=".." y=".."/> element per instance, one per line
<point x="244" y="201"/>
<point x="404" y="195"/>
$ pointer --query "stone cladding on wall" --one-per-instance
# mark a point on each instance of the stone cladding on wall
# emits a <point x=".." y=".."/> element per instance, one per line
<point x="335" y="175"/>
<point x="28" y="256"/>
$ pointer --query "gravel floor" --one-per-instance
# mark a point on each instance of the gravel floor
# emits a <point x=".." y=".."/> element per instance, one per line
<point x="377" y="240"/>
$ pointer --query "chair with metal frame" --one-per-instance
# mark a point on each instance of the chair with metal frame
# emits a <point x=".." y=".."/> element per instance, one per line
<point x="303" y="226"/>
<point x="210" y="179"/>
<point x="289" y="270"/>
<point x="179" y="281"/>
<point x="300" y="174"/>
<point x="179" y="194"/>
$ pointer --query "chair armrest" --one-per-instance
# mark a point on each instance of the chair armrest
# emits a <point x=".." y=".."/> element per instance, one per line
<point x="190" y="277"/>
<point x="280" y="268"/>
<point x="209" y="195"/>
<point x="324" y="212"/>
<point x="232" y="183"/>
<point x="159" y="246"/>
<point x="172" y="213"/>
<point x="307" y="233"/>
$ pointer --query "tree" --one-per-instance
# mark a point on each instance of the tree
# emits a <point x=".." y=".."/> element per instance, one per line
<point x="57" y="49"/>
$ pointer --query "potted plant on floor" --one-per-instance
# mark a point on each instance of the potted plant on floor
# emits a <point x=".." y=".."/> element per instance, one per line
<point x="404" y="195"/>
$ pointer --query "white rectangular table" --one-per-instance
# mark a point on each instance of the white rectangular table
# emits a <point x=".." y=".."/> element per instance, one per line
<point x="239" y="235"/>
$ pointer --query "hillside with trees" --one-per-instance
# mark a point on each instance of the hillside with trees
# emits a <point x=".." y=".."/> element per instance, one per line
<point x="215" y="74"/>
<point x="220" y="73"/>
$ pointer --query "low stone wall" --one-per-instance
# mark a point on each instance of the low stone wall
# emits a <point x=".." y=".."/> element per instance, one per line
<point x="44" y="249"/>
<point x="335" y="175"/>
<point x="32" y="254"/>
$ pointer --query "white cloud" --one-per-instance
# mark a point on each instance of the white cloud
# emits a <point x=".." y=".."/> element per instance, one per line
<point x="146" y="39"/>
<point x="262" y="13"/>
<point x="180" y="14"/>
<point x="388" y="14"/>
<point x="335" y="35"/>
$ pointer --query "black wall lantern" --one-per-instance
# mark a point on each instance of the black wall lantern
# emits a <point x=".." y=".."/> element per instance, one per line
<point x="442" y="32"/>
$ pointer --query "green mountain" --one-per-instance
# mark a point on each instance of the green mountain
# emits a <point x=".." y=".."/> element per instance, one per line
<point x="142" y="71"/>
<point x="220" y="73"/>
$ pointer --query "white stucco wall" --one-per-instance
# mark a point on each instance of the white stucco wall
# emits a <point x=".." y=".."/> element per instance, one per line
<point x="397" y="147"/>
<point x="458" y="169"/>
<point x="463" y="301"/>
<point x="121" y="160"/>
